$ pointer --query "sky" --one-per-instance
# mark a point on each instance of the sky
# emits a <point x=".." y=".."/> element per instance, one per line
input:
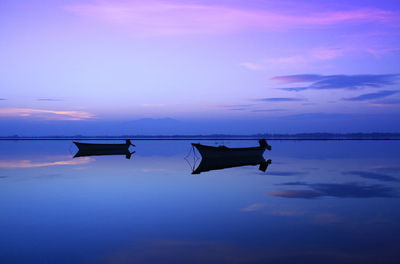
<point x="198" y="67"/>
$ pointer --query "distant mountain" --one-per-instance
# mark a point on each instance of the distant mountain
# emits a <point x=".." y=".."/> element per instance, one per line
<point x="288" y="125"/>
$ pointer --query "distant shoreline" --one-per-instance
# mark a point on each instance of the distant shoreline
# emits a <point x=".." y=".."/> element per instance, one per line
<point x="299" y="136"/>
<point x="205" y="139"/>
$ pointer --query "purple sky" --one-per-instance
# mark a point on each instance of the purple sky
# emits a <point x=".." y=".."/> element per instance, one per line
<point x="75" y="66"/>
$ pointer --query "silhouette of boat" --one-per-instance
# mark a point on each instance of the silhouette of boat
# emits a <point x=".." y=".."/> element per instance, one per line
<point x="224" y="152"/>
<point x="103" y="147"/>
<point x="209" y="164"/>
<point x="94" y="149"/>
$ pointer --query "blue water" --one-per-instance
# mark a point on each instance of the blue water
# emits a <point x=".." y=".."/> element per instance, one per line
<point x="317" y="202"/>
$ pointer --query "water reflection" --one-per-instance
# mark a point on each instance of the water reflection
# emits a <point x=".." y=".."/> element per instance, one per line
<point x="149" y="210"/>
<point x="86" y="153"/>
<point x="13" y="164"/>
<point x="339" y="190"/>
<point x="372" y="175"/>
<point x="209" y="164"/>
<point x="286" y="173"/>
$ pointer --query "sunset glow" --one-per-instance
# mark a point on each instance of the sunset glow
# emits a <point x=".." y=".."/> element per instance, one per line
<point x="105" y="65"/>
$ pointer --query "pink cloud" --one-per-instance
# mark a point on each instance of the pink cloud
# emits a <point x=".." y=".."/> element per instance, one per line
<point x="45" y="114"/>
<point x="178" y="17"/>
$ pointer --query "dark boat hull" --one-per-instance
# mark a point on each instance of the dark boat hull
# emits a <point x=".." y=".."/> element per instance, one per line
<point x="89" y="147"/>
<point x="225" y="152"/>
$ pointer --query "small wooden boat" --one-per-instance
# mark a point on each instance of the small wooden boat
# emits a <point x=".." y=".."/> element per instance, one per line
<point x="223" y="151"/>
<point x="103" y="147"/>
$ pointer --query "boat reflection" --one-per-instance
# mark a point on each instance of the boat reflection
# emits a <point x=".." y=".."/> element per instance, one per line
<point x="104" y="152"/>
<point x="100" y="149"/>
<point x="209" y="164"/>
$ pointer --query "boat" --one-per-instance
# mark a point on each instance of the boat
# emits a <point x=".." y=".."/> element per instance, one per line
<point x="95" y="149"/>
<point x="209" y="164"/>
<point x="224" y="152"/>
<point x="104" y="147"/>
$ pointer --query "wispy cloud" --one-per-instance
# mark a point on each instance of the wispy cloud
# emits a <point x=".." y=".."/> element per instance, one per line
<point x="255" y="108"/>
<point x="189" y="17"/>
<point x="45" y="114"/>
<point x="235" y="107"/>
<point x="2" y="99"/>
<point x="268" y="110"/>
<point x="375" y="43"/>
<point x="324" y="82"/>
<point x="14" y="164"/>
<point x="387" y="102"/>
<point x="238" y="106"/>
<point x="281" y="99"/>
<point x="298" y="78"/>
<point x="371" y="96"/>
<point x="297" y="61"/>
<point x="49" y="99"/>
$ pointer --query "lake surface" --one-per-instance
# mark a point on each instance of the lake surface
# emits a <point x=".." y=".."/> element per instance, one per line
<point x="317" y="202"/>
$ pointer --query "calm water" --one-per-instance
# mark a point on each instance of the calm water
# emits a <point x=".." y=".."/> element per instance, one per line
<point x="317" y="202"/>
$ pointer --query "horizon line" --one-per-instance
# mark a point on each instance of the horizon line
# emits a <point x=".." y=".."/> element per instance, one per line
<point x="269" y="136"/>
